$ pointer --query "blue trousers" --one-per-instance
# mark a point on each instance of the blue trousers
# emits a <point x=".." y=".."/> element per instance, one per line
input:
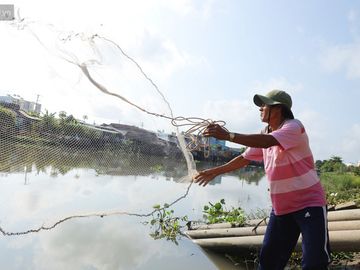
<point x="282" y="234"/>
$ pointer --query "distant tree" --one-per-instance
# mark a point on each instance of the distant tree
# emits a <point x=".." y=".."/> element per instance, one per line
<point x="49" y="123"/>
<point x="318" y="164"/>
<point x="357" y="170"/>
<point x="336" y="159"/>
<point x="7" y="122"/>
<point x="354" y="169"/>
<point x="85" y="117"/>
<point x="62" y="118"/>
<point x="71" y="119"/>
<point x="62" y="115"/>
<point x="334" y="164"/>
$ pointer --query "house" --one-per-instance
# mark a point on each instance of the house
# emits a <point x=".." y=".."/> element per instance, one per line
<point x="147" y="142"/>
<point x="24" y="122"/>
<point x="108" y="133"/>
<point x="24" y="105"/>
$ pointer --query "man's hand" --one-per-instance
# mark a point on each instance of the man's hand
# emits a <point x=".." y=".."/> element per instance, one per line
<point x="216" y="131"/>
<point x="204" y="177"/>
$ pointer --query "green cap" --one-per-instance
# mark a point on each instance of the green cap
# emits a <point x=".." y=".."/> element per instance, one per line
<point x="274" y="97"/>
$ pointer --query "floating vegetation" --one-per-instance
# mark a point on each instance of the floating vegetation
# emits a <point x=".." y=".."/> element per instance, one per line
<point x="165" y="225"/>
<point x="218" y="213"/>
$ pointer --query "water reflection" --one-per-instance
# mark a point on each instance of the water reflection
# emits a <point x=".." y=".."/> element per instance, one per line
<point x="61" y="160"/>
<point x="97" y="181"/>
<point x="226" y="262"/>
<point x="115" y="244"/>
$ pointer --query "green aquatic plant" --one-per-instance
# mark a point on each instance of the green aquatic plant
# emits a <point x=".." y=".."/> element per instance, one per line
<point x="165" y="225"/>
<point x="218" y="213"/>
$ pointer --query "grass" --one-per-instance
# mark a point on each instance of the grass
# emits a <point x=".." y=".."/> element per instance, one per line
<point x="341" y="187"/>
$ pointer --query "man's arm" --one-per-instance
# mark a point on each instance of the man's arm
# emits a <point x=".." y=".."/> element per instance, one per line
<point x="251" y="140"/>
<point x="254" y="140"/>
<point x="204" y="177"/>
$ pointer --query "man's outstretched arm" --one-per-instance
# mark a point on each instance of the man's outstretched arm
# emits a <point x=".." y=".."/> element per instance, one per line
<point x="204" y="177"/>
<point x="251" y="140"/>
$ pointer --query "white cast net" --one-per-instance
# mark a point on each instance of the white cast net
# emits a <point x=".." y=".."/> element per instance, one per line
<point x="100" y="114"/>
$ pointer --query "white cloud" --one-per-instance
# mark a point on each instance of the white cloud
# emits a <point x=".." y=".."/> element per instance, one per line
<point x="240" y="116"/>
<point x="202" y="9"/>
<point x="280" y="83"/>
<point x="98" y="245"/>
<point x="324" y="142"/>
<point x="353" y="18"/>
<point x="342" y="57"/>
<point x="161" y="58"/>
<point x="316" y="126"/>
<point x="346" y="56"/>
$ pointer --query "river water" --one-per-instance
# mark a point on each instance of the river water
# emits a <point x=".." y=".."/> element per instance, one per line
<point x="38" y="189"/>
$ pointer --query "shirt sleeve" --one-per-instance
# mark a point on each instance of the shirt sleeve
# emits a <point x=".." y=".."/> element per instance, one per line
<point x="289" y="135"/>
<point x="255" y="154"/>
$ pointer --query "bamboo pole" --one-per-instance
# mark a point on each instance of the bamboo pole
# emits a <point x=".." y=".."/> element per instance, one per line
<point x="249" y="231"/>
<point x="340" y="215"/>
<point x="348" y="240"/>
<point x="226" y="232"/>
<point x="344" y="234"/>
<point x="352" y="214"/>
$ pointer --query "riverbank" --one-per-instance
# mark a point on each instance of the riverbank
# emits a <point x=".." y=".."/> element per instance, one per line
<point x="343" y="192"/>
<point x="241" y="244"/>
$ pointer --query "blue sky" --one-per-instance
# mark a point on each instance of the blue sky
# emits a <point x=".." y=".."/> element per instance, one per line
<point x="210" y="58"/>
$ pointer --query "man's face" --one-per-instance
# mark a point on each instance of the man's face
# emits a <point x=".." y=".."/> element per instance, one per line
<point x="264" y="113"/>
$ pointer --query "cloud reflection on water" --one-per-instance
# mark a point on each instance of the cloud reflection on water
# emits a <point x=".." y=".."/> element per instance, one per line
<point x="112" y="242"/>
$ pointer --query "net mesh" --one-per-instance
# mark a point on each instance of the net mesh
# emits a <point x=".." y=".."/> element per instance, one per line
<point x="99" y="112"/>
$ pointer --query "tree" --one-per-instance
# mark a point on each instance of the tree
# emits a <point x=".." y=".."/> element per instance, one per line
<point x="62" y="115"/>
<point x="7" y="122"/>
<point x="336" y="159"/>
<point x="357" y="170"/>
<point x="318" y="164"/>
<point x="334" y="164"/>
<point x="71" y="119"/>
<point x="49" y="123"/>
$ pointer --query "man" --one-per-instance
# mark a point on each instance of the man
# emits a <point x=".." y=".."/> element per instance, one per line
<point x="298" y="199"/>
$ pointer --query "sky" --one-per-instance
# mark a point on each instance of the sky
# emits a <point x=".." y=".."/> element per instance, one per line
<point x="207" y="57"/>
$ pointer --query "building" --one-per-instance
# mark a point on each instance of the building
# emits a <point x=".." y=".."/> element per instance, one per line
<point x="24" y="122"/>
<point x="217" y="144"/>
<point x="26" y="106"/>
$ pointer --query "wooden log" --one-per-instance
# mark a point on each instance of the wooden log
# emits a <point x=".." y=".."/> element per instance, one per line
<point x="226" y="232"/>
<point x="348" y="240"/>
<point x="251" y="222"/>
<point x="344" y="225"/>
<point x="240" y="243"/>
<point x="249" y="231"/>
<point x="346" y="205"/>
<point x="351" y="214"/>
<point x="340" y="215"/>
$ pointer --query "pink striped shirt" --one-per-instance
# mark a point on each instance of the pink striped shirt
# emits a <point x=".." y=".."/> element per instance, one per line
<point x="290" y="169"/>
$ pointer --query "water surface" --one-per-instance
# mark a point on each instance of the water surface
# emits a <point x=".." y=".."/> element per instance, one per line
<point x="41" y="187"/>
